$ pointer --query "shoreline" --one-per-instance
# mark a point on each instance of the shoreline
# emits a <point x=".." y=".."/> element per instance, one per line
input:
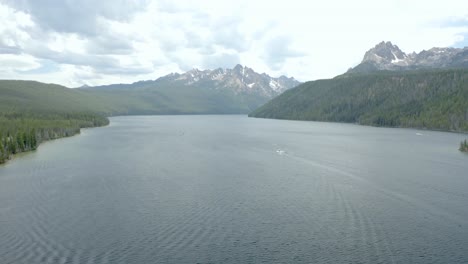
<point x="368" y="125"/>
<point x="12" y="156"/>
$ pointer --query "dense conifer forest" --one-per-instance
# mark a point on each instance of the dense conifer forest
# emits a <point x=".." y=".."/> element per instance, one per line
<point x="436" y="100"/>
<point x="32" y="112"/>
<point x="20" y="132"/>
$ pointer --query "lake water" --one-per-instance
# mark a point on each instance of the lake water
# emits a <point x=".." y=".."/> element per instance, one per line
<point x="230" y="189"/>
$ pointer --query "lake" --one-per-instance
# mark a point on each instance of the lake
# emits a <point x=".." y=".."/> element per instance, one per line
<point x="231" y="189"/>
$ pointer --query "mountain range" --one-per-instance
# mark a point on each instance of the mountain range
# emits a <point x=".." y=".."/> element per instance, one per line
<point x="220" y="91"/>
<point x="387" y="56"/>
<point x="240" y="80"/>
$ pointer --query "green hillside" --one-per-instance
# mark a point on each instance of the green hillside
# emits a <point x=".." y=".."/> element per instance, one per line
<point x="424" y="99"/>
<point x="172" y="98"/>
<point x="32" y="112"/>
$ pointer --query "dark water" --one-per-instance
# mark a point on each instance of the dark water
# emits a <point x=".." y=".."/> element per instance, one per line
<point x="229" y="189"/>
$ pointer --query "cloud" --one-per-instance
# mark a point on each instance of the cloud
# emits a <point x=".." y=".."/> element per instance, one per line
<point x="226" y="33"/>
<point x="44" y="67"/>
<point x="67" y="57"/>
<point x="77" y="16"/>
<point x="100" y="42"/>
<point x="14" y="29"/>
<point x="12" y="64"/>
<point x="109" y="44"/>
<point x="277" y="50"/>
<point x="458" y="25"/>
<point x="221" y="60"/>
<point x="5" y="49"/>
<point x="127" y="70"/>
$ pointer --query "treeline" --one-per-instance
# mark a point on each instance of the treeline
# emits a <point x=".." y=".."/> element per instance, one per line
<point x="33" y="112"/>
<point x="435" y="99"/>
<point x="464" y="146"/>
<point x="20" y="132"/>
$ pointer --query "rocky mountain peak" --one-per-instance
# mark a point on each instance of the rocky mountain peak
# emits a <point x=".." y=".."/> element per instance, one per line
<point x="238" y="67"/>
<point x="387" y="56"/>
<point x="240" y="79"/>
<point x="385" y="52"/>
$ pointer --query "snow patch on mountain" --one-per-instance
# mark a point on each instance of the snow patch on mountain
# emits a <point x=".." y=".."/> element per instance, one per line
<point x="387" y="56"/>
<point x="240" y="79"/>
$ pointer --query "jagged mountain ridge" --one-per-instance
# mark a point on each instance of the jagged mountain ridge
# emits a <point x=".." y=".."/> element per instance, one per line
<point x="387" y="56"/>
<point x="240" y="80"/>
<point x="221" y="91"/>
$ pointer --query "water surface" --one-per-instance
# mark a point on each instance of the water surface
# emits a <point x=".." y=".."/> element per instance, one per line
<point x="229" y="189"/>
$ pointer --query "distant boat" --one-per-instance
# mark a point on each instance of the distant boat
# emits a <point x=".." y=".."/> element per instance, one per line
<point x="419" y="134"/>
<point x="280" y="152"/>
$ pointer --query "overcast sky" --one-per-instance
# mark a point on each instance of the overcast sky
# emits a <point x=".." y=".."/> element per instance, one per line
<point x="91" y="42"/>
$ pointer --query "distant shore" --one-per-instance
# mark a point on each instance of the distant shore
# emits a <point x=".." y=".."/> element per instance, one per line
<point x="12" y="145"/>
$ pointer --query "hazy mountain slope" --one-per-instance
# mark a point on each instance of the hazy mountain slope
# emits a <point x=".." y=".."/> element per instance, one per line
<point x="31" y="96"/>
<point x="220" y="91"/>
<point x="425" y="99"/>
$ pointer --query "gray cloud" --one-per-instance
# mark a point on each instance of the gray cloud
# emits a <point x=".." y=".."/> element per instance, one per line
<point x="204" y="33"/>
<point x="66" y="57"/>
<point x="101" y="64"/>
<point x="9" y="40"/>
<point x="109" y="44"/>
<point x="132" y="70"/>
<point x="194" y="40"/>
<point x="5" y="49"/>
<point x="183" y="36"/>
<point x="77" y="16"/>
<point x="86" y="19"/>
<point x="278" y="50"/>
<point x="182" y="62"/>
<point x="226" y="33"/>
<point x="84" y="75"/>
<point x="223" y="60"/>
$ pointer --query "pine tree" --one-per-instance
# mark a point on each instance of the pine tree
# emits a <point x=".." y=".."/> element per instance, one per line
<point x="2" y="151"/>
<point x="11" y="146"/>
<point x="25" y="141"/>
<point x="33" y="139"/>
<point x="19" y="142"/>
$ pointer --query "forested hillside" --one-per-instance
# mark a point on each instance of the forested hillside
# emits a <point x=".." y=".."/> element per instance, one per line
<point x="173" y="99"/>
<point x="221" y="91"/>
<point x="32" y="112"/>
<point x="435" y="99"/>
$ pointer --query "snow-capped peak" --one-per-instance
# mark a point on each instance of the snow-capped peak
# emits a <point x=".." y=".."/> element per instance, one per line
<point x="384" y="52"/>
<point x="240" y="79"/>
<point x="386" y="56"/>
